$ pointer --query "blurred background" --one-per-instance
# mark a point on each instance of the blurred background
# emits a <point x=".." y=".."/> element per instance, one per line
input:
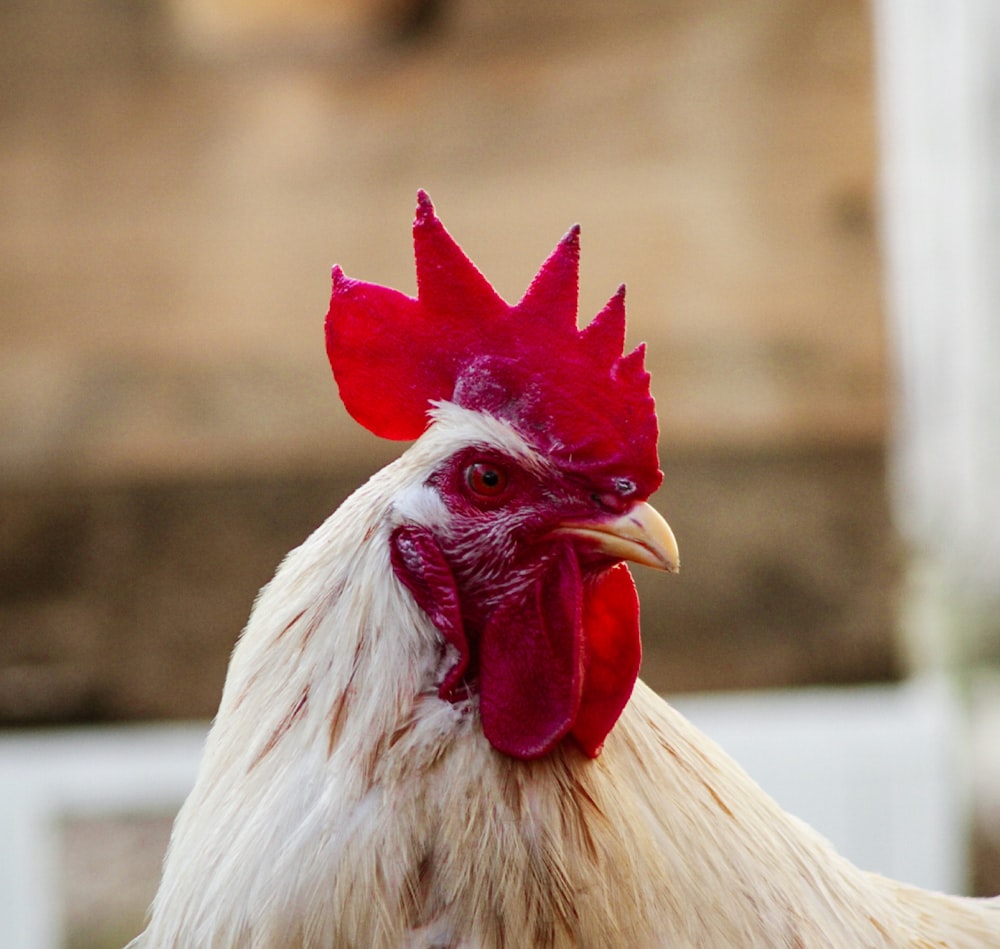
<point x="177" y="178"/>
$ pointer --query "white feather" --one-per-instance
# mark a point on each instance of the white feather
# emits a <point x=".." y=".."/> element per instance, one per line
<point x="341" y="803"/>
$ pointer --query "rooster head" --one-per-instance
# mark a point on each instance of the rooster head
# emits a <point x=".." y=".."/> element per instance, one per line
<point x="540" y="447"/>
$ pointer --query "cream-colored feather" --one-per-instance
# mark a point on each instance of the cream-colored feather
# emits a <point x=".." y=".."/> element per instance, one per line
<point x="341" y="803"/>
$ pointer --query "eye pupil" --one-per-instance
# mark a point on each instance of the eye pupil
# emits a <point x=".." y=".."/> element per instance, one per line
<point x="486" y="479"/>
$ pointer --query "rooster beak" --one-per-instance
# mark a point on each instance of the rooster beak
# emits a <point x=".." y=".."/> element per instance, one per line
<point x="640" y="535"/>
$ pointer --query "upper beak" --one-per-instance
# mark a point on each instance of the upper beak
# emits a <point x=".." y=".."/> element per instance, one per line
<point x="640" y="535"/>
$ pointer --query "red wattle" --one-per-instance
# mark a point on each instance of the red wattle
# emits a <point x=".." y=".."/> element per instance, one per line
<point x="560" y="660"/>
<point x="531" y="672"/>
<point x="612" y="654"/>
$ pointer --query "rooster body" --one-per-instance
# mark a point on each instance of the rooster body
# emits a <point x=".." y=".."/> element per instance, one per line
<point x="357" y="791"/>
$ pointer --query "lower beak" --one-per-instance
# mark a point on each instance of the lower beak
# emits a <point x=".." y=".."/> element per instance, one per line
<point x="640" y="535"/>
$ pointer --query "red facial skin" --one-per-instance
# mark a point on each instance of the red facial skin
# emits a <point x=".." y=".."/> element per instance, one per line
<point x="546" y="634"/>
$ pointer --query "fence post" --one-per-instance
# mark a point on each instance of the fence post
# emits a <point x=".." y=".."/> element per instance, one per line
<point x="938" y="66"/>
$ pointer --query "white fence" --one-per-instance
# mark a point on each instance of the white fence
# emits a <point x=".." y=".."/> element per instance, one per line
<point x="48" y="776"/>
<point x="879" y="770"/>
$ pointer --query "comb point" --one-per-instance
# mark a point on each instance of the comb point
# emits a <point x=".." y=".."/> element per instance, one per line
<point x="551" y="298"/>
<point x="425" y="207"/>
<point x="604" y="336"/>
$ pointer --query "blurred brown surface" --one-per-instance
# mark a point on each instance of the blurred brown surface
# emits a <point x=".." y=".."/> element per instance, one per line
<point x="176" y="180"/>
<point x="109" y="871"/>
<point x="168" y="217"/>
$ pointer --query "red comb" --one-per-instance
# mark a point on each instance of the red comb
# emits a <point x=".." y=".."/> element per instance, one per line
<point x="567" y="391"/>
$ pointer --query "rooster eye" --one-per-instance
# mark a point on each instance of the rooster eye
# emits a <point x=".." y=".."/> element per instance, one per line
<point x="486" y="479"/>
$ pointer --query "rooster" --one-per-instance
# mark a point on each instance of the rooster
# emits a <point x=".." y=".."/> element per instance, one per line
<point x="432" y="733"/>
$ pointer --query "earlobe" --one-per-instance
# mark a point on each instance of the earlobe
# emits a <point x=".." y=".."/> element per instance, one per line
<point x="420" y="566"/>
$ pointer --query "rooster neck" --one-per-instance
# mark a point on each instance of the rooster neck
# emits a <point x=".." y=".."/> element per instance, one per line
<point x="335" y="642"/>
<point x="330" y="693"/>
<point x="338" y="662"/>
<point x="341" y="802"/>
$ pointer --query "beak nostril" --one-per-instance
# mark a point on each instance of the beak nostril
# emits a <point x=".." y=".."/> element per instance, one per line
<point x="625" y="487"/>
